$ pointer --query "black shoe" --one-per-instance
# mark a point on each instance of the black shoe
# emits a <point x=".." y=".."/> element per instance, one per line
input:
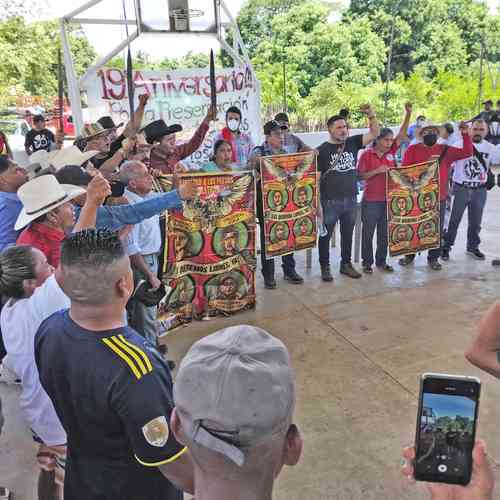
<point x="407" y="260"/>
<point x="445" y="254"/>
<point x="294" y="278"/>
<point x="386" y="268"/>
<point x="477" y="254"/>
<point x="367" y="269"/>
<point x="435" y="265"/>
<point x="269" y="283"/>
<point x="348" y="270"/>
<point x="326" y="274"/>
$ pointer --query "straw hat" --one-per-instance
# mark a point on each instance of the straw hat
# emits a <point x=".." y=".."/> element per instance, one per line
<point x="61" y="157"/>
<point x="41" y="195"/>
<point x="93" y="130"/>
<point x="427" y="125"/>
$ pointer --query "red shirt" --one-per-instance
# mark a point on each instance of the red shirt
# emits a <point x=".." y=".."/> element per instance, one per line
<point x="376" y="186"/>
<point x="419" y="153"/>
<point x="47" y="239"/>
<point x="166" y="162"/>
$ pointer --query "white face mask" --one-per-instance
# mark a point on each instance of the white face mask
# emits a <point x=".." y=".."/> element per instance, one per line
<point x="233" y="125"/>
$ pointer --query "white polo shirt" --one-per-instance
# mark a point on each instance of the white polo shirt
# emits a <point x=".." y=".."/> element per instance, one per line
<point x="146" y="235"/>
<point x="20" y="321"/>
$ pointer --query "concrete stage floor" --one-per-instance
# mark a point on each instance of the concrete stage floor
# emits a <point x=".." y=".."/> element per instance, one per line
<point x="358" y="348"/>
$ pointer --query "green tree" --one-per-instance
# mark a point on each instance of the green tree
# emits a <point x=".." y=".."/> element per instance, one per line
<point x="29" y="56"/>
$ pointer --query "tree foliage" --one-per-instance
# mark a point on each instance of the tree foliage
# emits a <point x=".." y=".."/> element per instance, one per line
<point x="29" y="57"/>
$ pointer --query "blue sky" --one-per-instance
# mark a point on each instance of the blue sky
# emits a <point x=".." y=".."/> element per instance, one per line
<point x="444" y="405"/>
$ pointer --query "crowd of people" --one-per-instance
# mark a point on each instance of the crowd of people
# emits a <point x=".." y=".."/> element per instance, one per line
<point x="80" y="237"/>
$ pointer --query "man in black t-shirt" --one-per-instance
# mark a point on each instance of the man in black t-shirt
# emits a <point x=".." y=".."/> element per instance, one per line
<point x="337" y="159"/>
<point x="39" y="138"/>
<point x="111" y="389"/>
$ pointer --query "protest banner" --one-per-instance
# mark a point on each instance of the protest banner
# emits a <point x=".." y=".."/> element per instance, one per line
<point x="413" y="208"/>
<point x="289" y="202"/>
<point x="209" y="264"/>
<point x="180" y="96"/>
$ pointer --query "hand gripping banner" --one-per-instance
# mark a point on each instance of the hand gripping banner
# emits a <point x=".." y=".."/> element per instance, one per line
<point x="209" y="265"/>
<point x="413" y="208"/>
<point x="289" y="202"/>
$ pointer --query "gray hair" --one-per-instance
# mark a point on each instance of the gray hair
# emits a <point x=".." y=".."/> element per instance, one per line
<point x="128" y="171"/>
<point x="16" y="265"/>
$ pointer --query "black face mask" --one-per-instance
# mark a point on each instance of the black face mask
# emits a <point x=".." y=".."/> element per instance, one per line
<point x="430" y="139"/>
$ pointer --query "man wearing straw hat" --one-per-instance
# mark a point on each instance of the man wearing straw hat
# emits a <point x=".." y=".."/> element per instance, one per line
<point x="48" y="213"/>
<point x="427" y="150"/>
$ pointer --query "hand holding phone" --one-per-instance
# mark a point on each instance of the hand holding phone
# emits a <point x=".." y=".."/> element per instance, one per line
<point x="446" y="428"/>
<point x="480" y="486"/>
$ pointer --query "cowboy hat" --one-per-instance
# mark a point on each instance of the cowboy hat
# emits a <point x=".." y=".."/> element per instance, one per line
<point x="158" y="129"/>
<point x="41" y="195"/>
<point x="427" y="125"/>
<point x="93" y="130"/>
<point x="70" y="156"/>
<point x="108" y="123"/>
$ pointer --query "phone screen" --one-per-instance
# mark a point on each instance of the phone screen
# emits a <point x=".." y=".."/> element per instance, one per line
<point x="446" y="430"/>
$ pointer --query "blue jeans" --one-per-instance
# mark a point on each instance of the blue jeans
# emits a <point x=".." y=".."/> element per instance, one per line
<point x="343" y="210"/>
<point x="474" y="201"/>
<point x="142" y="317"/>
<point x="374" y="216"/>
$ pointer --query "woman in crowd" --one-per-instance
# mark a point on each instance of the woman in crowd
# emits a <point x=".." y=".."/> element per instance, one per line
<point x="222" y="159"/>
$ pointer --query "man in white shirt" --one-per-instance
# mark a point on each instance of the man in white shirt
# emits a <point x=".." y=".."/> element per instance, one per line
<point x="469" y="191"/>
<point x="146" y="241"/>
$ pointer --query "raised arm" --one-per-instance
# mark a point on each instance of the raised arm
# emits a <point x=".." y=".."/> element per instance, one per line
<point x="97" y="191"/>
<point x="185" y="150"/>
<point x="403" y="131"/>
<point x="466" y="151"/>
<point x="135" y="123"/>
<point x="373" y="124"/>
<point x="484" y="352"/>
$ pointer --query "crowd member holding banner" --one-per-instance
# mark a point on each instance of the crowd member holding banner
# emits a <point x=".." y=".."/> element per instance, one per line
<point x="273" y="145"/>
<point x="291" y="143"/>
<point x="241" y="144"/>
<point x="110" y="388"/>
<point x="240" y="432"/>
<point x="222" y="159"/>
<point x="166" y="153"/>
<point x="446" y="155"/>
<point x="339" y="187"/>
<point x="470" y="184"/>
<point x="32" y="295"/>
<point x="373" y="166"/>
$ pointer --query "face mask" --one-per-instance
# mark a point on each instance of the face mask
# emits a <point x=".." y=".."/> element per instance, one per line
<point x="430" y="139"/>
<point x="233" y="125"/>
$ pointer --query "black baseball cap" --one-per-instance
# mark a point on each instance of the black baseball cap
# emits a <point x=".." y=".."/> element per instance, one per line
<point x="282" y="118"/>
<point x="38" y="118"/>
<point x="271" y="126"/>
<point x="74" y="175"/>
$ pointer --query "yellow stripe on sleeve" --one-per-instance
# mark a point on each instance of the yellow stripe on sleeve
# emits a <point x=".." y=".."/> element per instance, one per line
<point x="163" y="462"/>
<point x="132" y="353"/>
<point x="143" y="355"/>
<point x="125" y="358"/>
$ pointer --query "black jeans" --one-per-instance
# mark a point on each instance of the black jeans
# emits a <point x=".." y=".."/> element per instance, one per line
<point x="343" y="210"/>
<point x="287" y="261"/>
<point x="374" y="216"/>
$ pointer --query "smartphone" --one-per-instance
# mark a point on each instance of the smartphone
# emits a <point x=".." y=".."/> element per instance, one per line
<point x="446" y="428"/>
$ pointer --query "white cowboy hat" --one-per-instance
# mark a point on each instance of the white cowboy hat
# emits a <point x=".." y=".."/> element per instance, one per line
<point x="61" y="157"/>
<point x="41" y="195"/>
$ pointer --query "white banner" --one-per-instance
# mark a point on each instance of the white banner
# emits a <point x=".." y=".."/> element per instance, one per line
<point x="180" y="96"/>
